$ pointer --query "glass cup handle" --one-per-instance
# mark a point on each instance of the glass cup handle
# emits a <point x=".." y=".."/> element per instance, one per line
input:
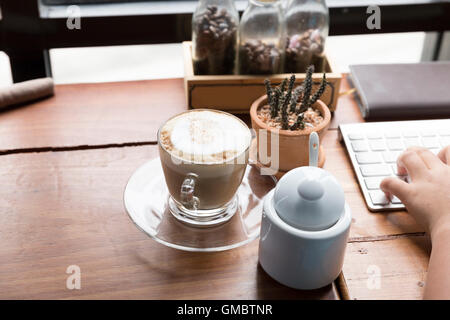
<point x="187" y="192"/>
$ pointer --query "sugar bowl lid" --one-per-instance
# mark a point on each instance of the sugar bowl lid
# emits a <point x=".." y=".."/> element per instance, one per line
<point x="309" y="198"/>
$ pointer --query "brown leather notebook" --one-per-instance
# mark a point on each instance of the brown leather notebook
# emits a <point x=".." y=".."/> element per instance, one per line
<point x="403" y="91"/>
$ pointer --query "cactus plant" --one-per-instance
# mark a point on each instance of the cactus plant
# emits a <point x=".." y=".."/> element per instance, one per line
<point x="307" y="87"/>
<point x="284" y="100"/>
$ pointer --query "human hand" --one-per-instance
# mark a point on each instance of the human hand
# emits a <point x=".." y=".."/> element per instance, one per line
<point x="427" y="196"/>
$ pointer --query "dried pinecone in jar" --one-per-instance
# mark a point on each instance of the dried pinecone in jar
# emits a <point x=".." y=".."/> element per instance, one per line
<point x="257" y="57"/>
<point x="215" y="42"/>
<point x="303" y="50"/>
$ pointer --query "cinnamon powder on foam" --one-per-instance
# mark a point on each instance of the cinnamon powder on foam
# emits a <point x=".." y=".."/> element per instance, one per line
<point x="199" y="135"/>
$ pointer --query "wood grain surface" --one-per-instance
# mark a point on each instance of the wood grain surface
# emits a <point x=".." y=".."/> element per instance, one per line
<point x="347" y="110"/>
<point x="64" y="206"/>
<point x="93" y="114"/>
<point x="109" y="114"/>
<point x="395" y="268"/>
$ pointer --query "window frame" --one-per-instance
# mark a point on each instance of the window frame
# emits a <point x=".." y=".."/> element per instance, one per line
<point x="26" y="34"/>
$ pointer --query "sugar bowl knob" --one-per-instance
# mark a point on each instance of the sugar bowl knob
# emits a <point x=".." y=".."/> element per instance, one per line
<point x="311" y="190"/>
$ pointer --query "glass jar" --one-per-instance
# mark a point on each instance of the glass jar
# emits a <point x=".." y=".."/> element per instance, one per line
<point x="307" y="24"/>
<point x="262" y="38"/>
<point x="214" y="37"/>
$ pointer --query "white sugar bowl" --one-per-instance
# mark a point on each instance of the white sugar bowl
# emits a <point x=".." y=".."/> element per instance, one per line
<point x="304" y="230"/>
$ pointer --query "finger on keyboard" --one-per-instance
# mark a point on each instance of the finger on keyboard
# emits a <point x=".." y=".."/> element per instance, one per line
<point x="378" y="197"/>
<point x="391" y="156"/>
<point x="435" y="151"/>
<point x="395" y="200"/>
<point x="397" y="172"/>
<point x="374" y="150"/>
<point x="400" y="170"/>
<point x="373" y="183"/>
<point x="444" y="155"/>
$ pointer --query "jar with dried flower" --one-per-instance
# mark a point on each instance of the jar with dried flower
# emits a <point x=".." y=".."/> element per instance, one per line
<point x="307" y="24"/>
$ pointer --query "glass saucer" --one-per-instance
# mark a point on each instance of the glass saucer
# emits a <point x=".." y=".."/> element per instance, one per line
<point x="146" y="201"/>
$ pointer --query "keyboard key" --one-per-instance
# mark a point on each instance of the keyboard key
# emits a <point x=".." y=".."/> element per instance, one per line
<point x="373" y="170"/>
<point x="427" y="133"/>
<point x="395" y="169"/>
<point x="430" y="143"/>
<point x="435" y="151"/>
<point x="355" y="136"/>
<point x="393" y="134"/>
<point x="378" y="197"/>
<point x="445" y="141"/>
<point x="395" y="200"/>
<point x="410" y="133"/>
<point x="377" y="145"/>
<point x="412" y="142"/>
<point x="368" y="157"/>
<point x="365" y="147"/>
<point x="373" y="183"/>
<point x="444" y="131"/>
<point x="374" y="135"/>
<point x="359" y="146"/>
<point x="395" y="144"/>
<point x="391" y="156"/>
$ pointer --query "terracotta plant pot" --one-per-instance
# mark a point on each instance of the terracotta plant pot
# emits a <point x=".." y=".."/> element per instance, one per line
<point x="293" y="146"/>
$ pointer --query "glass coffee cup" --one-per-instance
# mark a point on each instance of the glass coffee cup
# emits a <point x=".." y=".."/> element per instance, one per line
<point x="204" y="154"/>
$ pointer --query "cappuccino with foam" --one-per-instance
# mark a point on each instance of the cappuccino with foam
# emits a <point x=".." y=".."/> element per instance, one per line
<point x="205" y="136"/>
<point x="204" y="154"/>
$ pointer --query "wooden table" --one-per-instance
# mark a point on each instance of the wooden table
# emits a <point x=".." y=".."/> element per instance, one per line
<point x="64" y="163"/>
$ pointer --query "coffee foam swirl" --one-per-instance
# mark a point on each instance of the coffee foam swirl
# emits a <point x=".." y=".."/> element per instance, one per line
<point x="205" y="136"/>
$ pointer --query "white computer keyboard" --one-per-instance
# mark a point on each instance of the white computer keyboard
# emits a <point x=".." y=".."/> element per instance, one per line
<point x="373" y="148"/>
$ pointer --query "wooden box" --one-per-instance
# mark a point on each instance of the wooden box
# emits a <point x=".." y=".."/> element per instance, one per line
<point x="236" y="93"/>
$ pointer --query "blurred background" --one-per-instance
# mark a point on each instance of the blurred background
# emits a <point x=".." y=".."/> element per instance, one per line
<point x="111" y="43"/>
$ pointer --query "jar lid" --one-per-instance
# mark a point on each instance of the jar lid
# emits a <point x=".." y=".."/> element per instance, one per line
<point x="309" y="198"/>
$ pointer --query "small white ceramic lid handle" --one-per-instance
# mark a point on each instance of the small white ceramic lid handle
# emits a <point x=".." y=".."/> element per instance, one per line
<point x="310" y="189"/>
<point x="313" y="149"/>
